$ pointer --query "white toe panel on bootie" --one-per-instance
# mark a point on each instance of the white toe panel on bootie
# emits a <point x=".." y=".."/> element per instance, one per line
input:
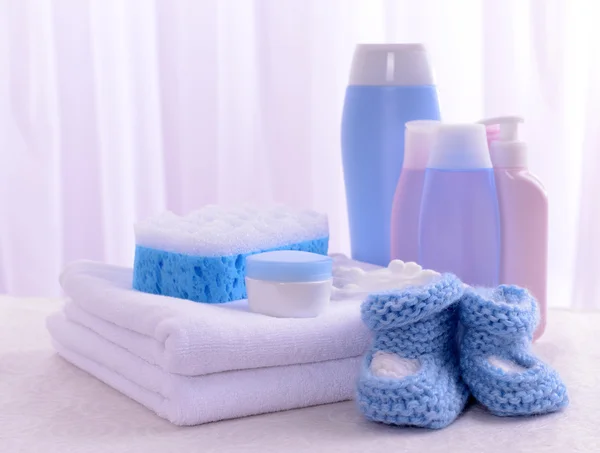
<point x="385" y="364"/>
<point x="508" y="366"/>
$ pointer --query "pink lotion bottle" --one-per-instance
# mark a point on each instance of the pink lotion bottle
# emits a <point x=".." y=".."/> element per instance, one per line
<point x="418" y="141"/>
<point x="523" y="213"/>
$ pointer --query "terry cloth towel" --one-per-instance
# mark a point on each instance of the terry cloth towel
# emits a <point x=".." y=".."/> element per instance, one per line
<point x="187" y="400"/>
<point x="192" y="339"/>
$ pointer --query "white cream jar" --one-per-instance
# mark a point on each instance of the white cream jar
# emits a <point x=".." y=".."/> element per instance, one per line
<point x="288" y="284"/>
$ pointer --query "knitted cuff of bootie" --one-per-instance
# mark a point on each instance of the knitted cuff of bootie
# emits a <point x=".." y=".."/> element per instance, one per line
<point x="420" y="385"/>
<point x="393" y="309"/>
<point x="495" y="359"/>
<point x="506" y="311"/>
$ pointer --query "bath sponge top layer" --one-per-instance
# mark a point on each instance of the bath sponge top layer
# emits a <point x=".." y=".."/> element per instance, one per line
<point x="222" y="231"/>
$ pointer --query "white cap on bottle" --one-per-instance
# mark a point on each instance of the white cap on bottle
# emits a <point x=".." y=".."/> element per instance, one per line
<point x="460" y="147"/>
<point x="506" y="150"/>
<point x="419" y="137"/>
<point x="390" y="64"/>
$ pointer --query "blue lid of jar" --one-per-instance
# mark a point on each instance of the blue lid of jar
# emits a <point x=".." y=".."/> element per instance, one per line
<point x="288" y="266"/>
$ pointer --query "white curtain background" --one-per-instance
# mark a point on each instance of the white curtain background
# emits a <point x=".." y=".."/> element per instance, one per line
<point x="113" y="110"/>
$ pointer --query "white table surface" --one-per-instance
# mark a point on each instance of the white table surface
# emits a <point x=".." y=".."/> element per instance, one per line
<point x="48" y="405"/>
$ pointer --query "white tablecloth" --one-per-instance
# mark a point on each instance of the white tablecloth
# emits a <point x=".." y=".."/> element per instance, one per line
<point x="47" y="405"/>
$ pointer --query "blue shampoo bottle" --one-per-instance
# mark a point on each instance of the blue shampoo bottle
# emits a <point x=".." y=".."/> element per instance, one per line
<point x="459" y="224"/>
<point x="390" y="84"/>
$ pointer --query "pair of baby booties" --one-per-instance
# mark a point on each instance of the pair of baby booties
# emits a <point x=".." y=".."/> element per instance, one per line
<point x="456" y="336"/>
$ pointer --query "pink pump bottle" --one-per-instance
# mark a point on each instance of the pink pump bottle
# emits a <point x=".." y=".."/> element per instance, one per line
<point x="418" y="141"/>
<point x="523" y="213"/>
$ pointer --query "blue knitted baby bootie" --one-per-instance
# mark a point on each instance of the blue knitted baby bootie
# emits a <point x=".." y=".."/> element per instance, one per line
<point x="495" y="360"/>
<point x="415" y="333"/>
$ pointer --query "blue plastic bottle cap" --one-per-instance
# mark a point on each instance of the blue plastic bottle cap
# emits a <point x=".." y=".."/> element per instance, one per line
<point x="460" y="147"/>
<point x="288" y="266"/>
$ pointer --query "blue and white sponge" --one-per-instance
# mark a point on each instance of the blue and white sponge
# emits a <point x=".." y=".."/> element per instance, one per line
<point x="202" y="256"/>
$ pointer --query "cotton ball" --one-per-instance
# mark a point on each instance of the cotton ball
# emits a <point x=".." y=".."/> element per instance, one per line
<point x="351" y="287"/>
<point x="396" y="266"/>
<point x="428" y="273"/>
<point x="412" y="269"/>
<point x="355" y="274"/>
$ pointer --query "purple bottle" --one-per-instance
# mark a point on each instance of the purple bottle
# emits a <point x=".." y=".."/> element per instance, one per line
<point x="418" y="140"/>
<point x="459" y="226"/>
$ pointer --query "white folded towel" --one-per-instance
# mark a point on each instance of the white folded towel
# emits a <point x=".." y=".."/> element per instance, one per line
<point x="191" y="400"/>
<point x="193" y="339"/>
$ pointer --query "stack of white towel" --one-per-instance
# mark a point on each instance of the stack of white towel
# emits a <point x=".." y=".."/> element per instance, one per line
<point x="194" y="363"/>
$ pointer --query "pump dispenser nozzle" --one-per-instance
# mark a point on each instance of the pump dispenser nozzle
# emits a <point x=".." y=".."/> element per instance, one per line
<point x="506" y="150"/>
<point x="507" y="126"/>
